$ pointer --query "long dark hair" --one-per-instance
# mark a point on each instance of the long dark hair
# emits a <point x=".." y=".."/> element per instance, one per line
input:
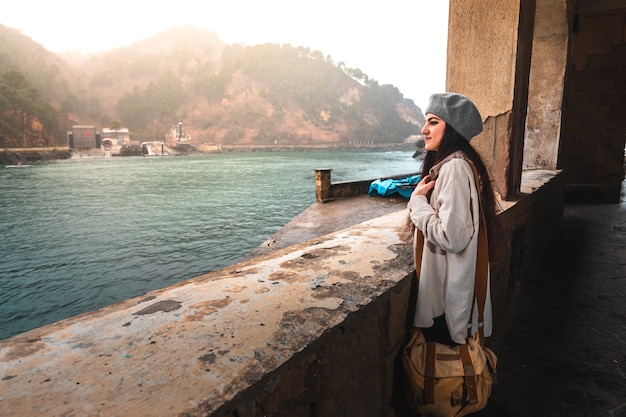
<point x="452" y="142"/>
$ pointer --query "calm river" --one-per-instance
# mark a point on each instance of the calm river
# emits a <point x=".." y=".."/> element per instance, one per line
<point x="80" y="234"/>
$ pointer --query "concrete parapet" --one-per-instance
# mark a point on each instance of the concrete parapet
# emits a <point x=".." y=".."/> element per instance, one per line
<point x="526" y="224"/>
<point x="310" y="329"/>
<point x="302" y="328"/>
<point x="326" y="190"/>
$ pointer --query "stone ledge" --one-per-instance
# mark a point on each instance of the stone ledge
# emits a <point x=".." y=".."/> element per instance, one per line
<point x="190" y="348"/>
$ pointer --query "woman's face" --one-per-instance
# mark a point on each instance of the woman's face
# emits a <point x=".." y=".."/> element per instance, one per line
<point x="433" y="132"/>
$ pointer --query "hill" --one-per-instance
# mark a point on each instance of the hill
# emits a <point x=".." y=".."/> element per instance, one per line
<point x="225" y="94"/>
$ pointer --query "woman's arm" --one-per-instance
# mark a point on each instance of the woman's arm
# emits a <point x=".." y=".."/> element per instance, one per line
<point x="447" y="222"/>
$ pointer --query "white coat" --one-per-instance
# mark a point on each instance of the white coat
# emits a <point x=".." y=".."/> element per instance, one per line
<point x="450" y="224"/>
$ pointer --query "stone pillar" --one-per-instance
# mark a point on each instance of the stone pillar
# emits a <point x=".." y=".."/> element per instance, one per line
<point x="322" y="184"/>
<point x="547" y="75"/>
<point x="489" y="51"/>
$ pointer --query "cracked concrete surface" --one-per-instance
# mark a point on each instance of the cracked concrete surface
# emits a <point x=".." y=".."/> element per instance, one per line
<point x="200" y="342"/>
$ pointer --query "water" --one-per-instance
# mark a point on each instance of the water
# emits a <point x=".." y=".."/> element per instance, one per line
<point x="78" y="235"/>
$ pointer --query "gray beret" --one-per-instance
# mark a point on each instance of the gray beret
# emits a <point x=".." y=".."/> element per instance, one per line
<point x="458" y="111"/>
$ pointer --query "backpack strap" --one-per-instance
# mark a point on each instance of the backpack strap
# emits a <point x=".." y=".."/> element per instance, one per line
<point x="470" y="374"/>
<point x="482" y="263"/>
<point x="429" y="373"/>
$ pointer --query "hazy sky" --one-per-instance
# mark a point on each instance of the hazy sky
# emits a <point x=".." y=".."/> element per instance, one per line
<point x="399" y="42"/>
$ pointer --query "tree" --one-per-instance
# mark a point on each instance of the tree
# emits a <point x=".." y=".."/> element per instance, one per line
<point x="21" y="104"/>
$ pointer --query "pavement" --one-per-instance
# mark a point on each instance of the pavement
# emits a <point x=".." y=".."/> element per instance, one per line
<point x="564" y="349"/>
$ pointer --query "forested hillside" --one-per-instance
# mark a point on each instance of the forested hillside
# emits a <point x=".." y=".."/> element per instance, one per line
<point x="225" y="94"/>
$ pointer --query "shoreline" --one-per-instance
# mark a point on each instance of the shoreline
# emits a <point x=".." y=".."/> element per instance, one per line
<point x="10" y="156"/>
<point x="16" y="155"/>
<point x="326" y="146"/>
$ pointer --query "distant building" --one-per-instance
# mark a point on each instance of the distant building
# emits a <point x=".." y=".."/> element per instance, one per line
<point x="119" y="137"/>
<point x="83" y="136"/>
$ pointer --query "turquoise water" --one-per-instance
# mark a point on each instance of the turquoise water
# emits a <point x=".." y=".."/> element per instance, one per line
<point x="81" y="234"/>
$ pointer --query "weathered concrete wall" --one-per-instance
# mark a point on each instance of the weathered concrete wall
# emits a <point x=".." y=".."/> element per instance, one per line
<point x="312" y="329"/>
<point x="326" y="190"/>
<point x="480" y="64"/>
<point x="595" y="126"/>
<point x="306" y="327"/>
<point x="480" y="61"/>
<point x="526" y="224"/>
<point x="489" y="55"/>
<point x="549" y="79"/>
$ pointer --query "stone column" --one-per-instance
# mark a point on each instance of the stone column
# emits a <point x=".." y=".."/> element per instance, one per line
<point x="547" y="75"/>
<point x="489" y="51"/>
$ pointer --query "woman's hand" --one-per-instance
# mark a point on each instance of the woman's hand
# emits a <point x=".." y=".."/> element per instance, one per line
<point x="423" y="187"/>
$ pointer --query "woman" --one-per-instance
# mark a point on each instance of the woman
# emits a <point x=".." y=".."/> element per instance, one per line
<point x="445" y="207"/>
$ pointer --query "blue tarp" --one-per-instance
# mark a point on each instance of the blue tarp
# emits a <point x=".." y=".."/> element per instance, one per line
<point x="402" y="186"/>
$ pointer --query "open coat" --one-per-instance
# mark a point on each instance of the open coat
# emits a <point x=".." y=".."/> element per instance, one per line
<point x="450" y="224"/>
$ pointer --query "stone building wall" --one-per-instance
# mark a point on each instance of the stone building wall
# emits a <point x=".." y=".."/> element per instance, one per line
<point x="595" y="119"/>
<point x="549" y="77"/>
